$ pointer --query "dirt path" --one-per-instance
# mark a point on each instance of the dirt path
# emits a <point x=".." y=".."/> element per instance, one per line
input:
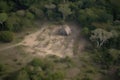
<point x="8" y="47"/>
<point x="46" y="42"/>
<point x="27" y="41"/>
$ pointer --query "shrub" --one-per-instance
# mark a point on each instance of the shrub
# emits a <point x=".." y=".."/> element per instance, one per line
<point x="118" y="72"/>
<point x="85" y="31"/>
<point x="2" y="69"/>
<point x="20" y="13"/>
<point x="37" y="62"/>
<point x="3" y="17"/>
<point x="58" y="75"/>
<point x="13" y="23"/>
<point x="6" y="36"/>
<point x="39" y="14"/>
<point x="43" y="63"/>
<point x="4" y="7"/>
<point x="29" y="15"/>
<point x="23" y="75"/>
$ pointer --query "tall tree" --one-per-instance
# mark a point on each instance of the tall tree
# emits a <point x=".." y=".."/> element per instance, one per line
<point x="25" y="3"/>
<point x="3" y="18"/>
<point x="65" y="10"/>
<point x="4" y="7"/>
<point x="115" y="4"/>
<point x="100" y="36"/>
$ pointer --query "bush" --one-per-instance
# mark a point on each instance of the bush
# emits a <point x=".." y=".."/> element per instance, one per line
<point x="13" y="23"/>
<point x="29" y="15"/>
<point x="43" y="63"/>
<point x="39" y="13"/>
<point x="85" y="31"/>
<point x="2" y="69"/>
<point x="37" y="62"/>
<point x="20" y="13"/>
<point x="6" y="36"/>
<point x="23" y="75"/>
<point x="4" y="7"/>
<point x="58" y="75"/>
<point x="3" y="17"/>
<point x="118" y="72"/>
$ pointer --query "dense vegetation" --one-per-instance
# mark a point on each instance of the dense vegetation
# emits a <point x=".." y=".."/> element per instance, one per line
<point x="100" y="21"/>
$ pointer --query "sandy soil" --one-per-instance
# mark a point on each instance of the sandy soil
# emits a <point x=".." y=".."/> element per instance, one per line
<point x="46" y="41"/>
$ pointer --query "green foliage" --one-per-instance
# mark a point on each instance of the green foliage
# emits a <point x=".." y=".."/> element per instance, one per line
<point x="39" y="69"/>
<point x="37" y="62"/>
<point x="18" y="21"/>
<point x="44" y="64"/>
<point x="39" y="14"/>
<point x="3" y="17"/>
<point x="89" y="15"/>
<point x="50" y="14"/>
<point x="23" y="75"/>
<point x="115" y="8"/>
<point x="29" y="15"/>
<point x="115" y="55"/>
<point x="65" y="10"/>
<point x="100" y="36"/>
<point x="118" y="72"/>
<point x="13" y="23"/>
<point x="6" y="36"/>
<point x="85" y="31"/>
<point x="4" y="7"/>
<point x="55" y="76"/>
<point x="50" y="6"/>
<point x="20" y="13"/>
<point x="2" y="69"/>
<point x="26" y="3"/>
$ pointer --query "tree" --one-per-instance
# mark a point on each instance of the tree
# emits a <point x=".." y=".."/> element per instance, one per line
<point x="64" y="1"/>
<point x="115" y="55"/>
<point x="4" y="7"/>
<point x="88" y="3"/>
<point x="3" y="18"/>
<point x="100" y="36"/>
<point x="50" y="10"/>
<point x="6" y="36"/>
<point x="29" y="15"/>
<point x="37" y="12"/>
<point x="13" y="23"/>
<point x="50" y="6"/>
<point x="115" y="8"/>
<point x="65" y="10"/>
<point x="85" y="31"/>
<point x="21" y="13"/>
<point x="90" y="15"/>
<point x="2" y="69"/>
<point x="25" y="3"/>
<point x="118" y="73"/>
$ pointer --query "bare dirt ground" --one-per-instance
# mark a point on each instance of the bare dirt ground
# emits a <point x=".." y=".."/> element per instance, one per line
<point x="46" y="41"/>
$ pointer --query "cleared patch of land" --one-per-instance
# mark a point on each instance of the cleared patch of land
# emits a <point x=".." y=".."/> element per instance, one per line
<point x="46" y="41"/>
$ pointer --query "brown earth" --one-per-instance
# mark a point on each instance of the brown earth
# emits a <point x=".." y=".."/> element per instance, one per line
<point x="46" y="41"/>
